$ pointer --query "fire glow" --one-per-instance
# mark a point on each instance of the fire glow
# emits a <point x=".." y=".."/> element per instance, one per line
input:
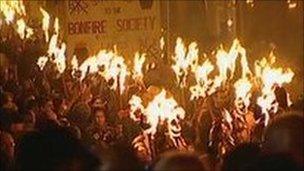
<point x="209" y="75"/>
<point x="163" y="108"/>
<point x="270" y="77"/>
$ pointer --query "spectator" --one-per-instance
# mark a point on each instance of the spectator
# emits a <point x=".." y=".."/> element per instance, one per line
<point x="179" y="161"/>
<point x="285" y="135"/>
<point x="100" y="132"/>
<point x="7" y="147"/>
<point x="276" y="162"/>
<point x="121" y="157"/>
<point x="7" y="102"/>
<point x="243" y="157"/>
<point x="53" y="150"/>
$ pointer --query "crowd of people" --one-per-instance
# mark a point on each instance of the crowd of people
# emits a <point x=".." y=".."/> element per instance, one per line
<point x="52" y="120"/>
<point x="48" y="123"/>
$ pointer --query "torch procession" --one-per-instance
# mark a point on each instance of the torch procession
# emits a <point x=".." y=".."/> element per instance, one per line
<point x="151" y="85"/>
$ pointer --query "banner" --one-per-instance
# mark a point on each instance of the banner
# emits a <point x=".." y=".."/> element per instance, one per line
<point x="130" y="25"/>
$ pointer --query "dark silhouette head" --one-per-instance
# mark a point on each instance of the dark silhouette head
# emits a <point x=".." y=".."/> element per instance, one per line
<point x="277" y="162"/>
<point x="179" y="161"/>
<point x="285" y="135"/>
<point x="6" y="151"/>
<point x="121" y="157"/>
<point x="52" y="150"/>
<point x="243" y="157"/>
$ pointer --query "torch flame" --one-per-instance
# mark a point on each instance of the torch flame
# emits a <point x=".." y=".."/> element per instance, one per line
<point x="10" y="8"/>
<point x="74" y="63"/>
<point x="23" y="30"/>
<point x="225" y="61"/>
<point x="291" y="4"/>
<point x="161" y="109"/>
<point x="45" y="23"/>
<point x="135" y="105"/>
<point x="138" y="65"/>
<point x="162" y="43"/>
<point x="60" y="58"/>
<point x="227" y="116"/>
<point x="242" y="91"/>
<point x="114" y="68"/>
<point x="56" y="25"/>
<point x="183" y="61"/>
<point x="270" y="77"/>
<point x="202" y="80"/>
<point x="89" y="65"/>
<point x="56" y="51"/>
<point x="117" y="69"/>
<point x="42" y="61"/>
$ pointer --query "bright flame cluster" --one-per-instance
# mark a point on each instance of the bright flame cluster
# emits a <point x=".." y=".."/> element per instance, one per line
<point x="225" y="63"/>
<point x="45" y="23"/>
<point x="14" y="13"/>
<point x="161" y="109"/>
<point x="56" y="50"/>
<point x="10" y="9"/>
<point x="139" y="60"/>
<point x="242" y="91"/>
<point x="270" y="77"/>
<point x="23" y="30"/>
<point x="184" y="60"/>
<point x="202" y="81"/>
<point x="108" y="64"/>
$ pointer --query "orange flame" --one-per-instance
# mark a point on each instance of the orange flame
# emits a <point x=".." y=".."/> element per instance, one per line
<point x="114" y="68"/>
<point x="41" y="62"/>
<point x="9" y="9"/>
<point x="139" y="60"/>
<point x="12" y="10"/>
<point x="75" y="65"/>
<point x="45" y="23"/>
<point x="202" y="80"/>
<point x="270" y="77"/>
<point x="23" y="30"/>
<point x="56" y="51"/>
<point x="242" y="91"/>
<point x="183" y="60"/>
<point x="135" y="105"/>
<point x="162" y="45"/>
<point x="161" y="109"/>
<point x="226" y="63"/>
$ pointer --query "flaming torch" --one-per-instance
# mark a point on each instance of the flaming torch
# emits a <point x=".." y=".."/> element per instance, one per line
<point x="109" y="65"/>
<point x="243" y="85"/>
<point x="183" y="60"/>
<point x="42" y="61"/>
<point x="9" y="9"/>
<point x="270" y="77"/>
<point x="45" y="23"/>
<point x="137" y="73"/>
<point x="23" y="30"/>
<point x="75" y="65"/>
<point x="161" y="109"/>
<point x="242" y="91"/>
<point x="56" y="51"/>
<point x="202" y="80"/>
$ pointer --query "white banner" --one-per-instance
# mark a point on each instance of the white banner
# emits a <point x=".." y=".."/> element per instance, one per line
<point x="131" y="25"/>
